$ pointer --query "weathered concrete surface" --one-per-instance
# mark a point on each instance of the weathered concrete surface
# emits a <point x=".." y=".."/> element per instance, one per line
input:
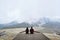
<point x="36" y="36"/>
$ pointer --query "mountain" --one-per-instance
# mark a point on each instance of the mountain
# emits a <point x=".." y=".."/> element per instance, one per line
<point x="1" y="25"/>
<point x="44" y="22"/>
<point x="52" y="25"/>
<point x="48" y="23"/>
<point x="18" y="25"/>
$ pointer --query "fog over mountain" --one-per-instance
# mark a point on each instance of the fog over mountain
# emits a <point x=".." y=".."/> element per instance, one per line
<point x="44" y="22"/>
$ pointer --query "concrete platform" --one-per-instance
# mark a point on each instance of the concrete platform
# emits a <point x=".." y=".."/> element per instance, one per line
<point x="36" y="36"/>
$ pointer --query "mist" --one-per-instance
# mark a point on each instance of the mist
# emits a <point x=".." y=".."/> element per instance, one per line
<point x="28" y="10"/>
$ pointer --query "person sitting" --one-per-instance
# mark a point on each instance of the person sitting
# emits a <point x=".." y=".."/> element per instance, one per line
<point x="32" y="31"/>
<point x="26" y="31"/>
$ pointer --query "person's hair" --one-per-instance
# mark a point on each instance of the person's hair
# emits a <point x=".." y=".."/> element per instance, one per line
<point x="27" y="28"/>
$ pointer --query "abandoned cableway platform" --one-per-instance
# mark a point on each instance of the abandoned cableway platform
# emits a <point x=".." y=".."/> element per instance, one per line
<point x="36" y="36"/>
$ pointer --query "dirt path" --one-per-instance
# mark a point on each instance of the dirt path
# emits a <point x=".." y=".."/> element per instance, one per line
<point x="36" y="36"/>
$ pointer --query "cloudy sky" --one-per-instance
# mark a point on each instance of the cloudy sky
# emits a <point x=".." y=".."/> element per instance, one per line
<point x="28" y="10"/>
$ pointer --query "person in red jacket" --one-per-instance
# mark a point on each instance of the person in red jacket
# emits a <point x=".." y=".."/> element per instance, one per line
<point x="31" y="30"/>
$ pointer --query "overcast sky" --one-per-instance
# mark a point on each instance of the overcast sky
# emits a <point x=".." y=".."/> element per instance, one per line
<point x="28" y="10"/>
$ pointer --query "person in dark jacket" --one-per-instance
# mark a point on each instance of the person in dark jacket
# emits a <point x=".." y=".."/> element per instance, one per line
<point x="26" y="31"/>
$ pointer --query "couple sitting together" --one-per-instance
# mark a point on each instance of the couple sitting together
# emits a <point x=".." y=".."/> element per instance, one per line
<point x="31" y="31"/>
